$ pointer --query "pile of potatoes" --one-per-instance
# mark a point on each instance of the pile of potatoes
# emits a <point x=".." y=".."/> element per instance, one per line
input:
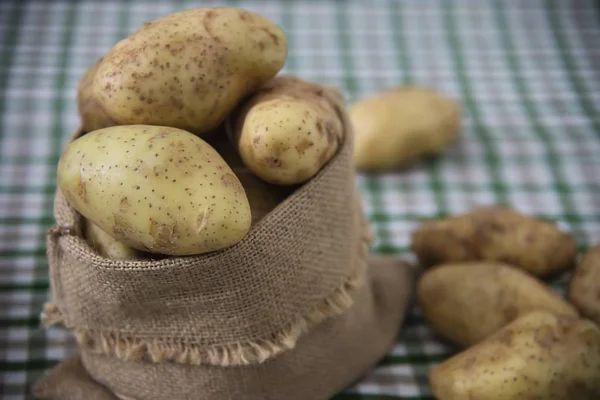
<point x="483" y="287"/>
<point x="189" y="137"/>
<point x="483" y="291"/>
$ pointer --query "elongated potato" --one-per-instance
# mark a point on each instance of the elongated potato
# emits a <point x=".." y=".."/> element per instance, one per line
<point x="158" y="189"/>
<point x="541" y="355"/>
<point x="402" y="124"/>
<point x="287" y="131"/>
<point x="584" y="287"/>
<point x="496" y="234"/>
<point x="467" y="302"/>
<point x="189" y="69"/>
<point x="106" y="245"/>
<point x="91" y="113"/>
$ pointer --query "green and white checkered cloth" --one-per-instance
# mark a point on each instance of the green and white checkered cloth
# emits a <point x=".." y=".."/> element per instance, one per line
<point x="527" y="73"/>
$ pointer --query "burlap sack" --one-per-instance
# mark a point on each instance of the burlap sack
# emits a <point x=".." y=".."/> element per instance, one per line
<point x="290" y="312"/>
<point x="326" y="360"/>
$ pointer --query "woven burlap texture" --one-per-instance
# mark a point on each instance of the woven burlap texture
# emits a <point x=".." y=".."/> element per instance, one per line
<point x="238" y="306"/>
<point x="327" y="359"/>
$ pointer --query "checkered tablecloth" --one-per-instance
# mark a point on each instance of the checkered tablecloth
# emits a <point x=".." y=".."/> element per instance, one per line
<point x="526" y="72"/>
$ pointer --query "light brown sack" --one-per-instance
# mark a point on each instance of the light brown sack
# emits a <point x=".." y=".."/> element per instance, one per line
<point x="324" y="361"/>
<point x="292" y="311"/>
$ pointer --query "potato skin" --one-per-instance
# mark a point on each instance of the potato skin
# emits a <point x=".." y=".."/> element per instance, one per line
<point x="541" y="355"/>
<point x="262" y="197"/>
<point x="401" y="124"/>
<point x="91" y="113"/>
<point x="584" y="287"/>
<point x="156" y="189"/>
<point x="287" y="131"/>
<point x="466" y="302"/>
<point x="189" y="69"/>
<point x="106" y="245"/>
<point x="496" y="234"/>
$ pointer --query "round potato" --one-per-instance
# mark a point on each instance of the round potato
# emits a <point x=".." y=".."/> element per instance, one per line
<point x="584" y="287"/>
<point x="496" y="234"/>
<point x="402" y="124"/>
<point x="189" y="69"/>
<point x="541" y="355"/>
<point x="157" y="189"/>
<point x="91" y="113"/>
<point x="468" y="302"/>
<point x="106" y="245"/>
<point x="287" y="131"/>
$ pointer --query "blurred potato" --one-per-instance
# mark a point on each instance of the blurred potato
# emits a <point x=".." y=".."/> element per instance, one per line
<point x="402" y="124"/>
<point x="541" y="355"/>
<point x="467" y="302"/>
<point x="584" y="287"/>
<point x="496" y="234"/>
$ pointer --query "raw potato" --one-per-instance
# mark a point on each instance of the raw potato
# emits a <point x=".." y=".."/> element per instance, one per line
<point x="287" y="131"/>
<point x="158" y="189"/>
<point x="496" y="234"/>
<point x="262" y="197"/>
<point x="402" y="124"/>
<point x="92" y="115"/>
<point x="539" y="356"/>
<point x="106" y="245"/>
<point x="584" y="287"/>
<point x="467" y="302"/>
<point x="262" y="201"/>
<point x="189" y="69"/>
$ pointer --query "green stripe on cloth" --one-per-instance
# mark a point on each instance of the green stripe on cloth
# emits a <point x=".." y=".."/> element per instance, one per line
<point x="402" y="58"/>
<point x="352" y="86"/>
<point x="9" y="41"/>
<point x="287" y="23"/>
<point x="560" y="184"/>
<point x="41" y="285"/>
<point x="34" y="350"/>
<point x="493" y="162"/>
<point x="9" y="46"/>
<point x="29" y="365"/>
<point x="18" y="252"/>
<point x="580" y="88"/>
<point x="30" y="322"/>
<point x="42" y="220"/>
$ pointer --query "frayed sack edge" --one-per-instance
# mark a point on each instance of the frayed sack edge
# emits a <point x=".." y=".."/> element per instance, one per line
<point x="231" y="354"/>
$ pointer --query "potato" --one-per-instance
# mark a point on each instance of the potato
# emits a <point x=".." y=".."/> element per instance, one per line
<point x="541" y="355"/>
<point x="496" y="234"/>
<point x="584" y="287"/>
<point x="287" y="131"/>
<point x="262" y="197"/>
<point x="158" y="189"/>
<point x="189" y="69"/>
<point x="91" y="113"/>
<point x="402" y="124"/>
<point x="106" y="245"/>
<point x="469" y="301"/>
